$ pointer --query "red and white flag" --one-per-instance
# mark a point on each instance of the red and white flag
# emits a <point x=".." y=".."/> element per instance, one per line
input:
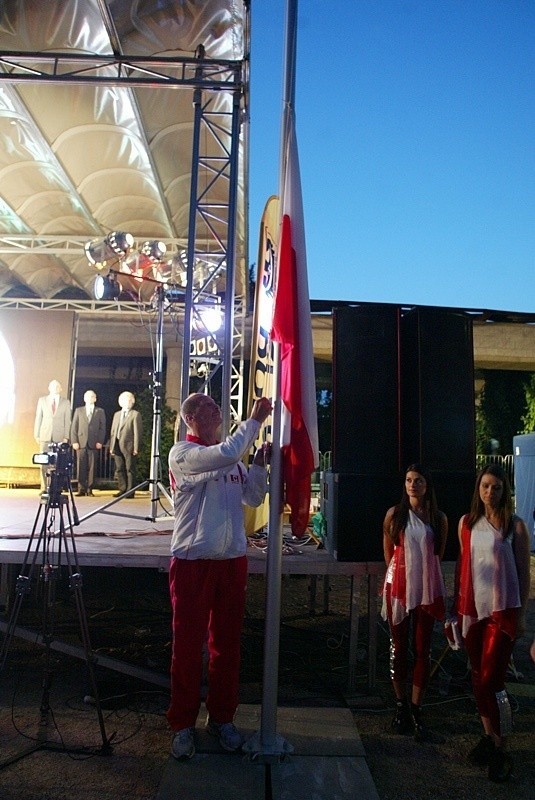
<point x="292" y="329"/>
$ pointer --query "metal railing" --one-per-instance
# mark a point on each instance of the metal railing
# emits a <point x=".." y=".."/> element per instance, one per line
<point x="506" y="462"/>
<point x="104" y="467"/>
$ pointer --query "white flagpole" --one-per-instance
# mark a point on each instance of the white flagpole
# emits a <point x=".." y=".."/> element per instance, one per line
<point x="270" y="743"/>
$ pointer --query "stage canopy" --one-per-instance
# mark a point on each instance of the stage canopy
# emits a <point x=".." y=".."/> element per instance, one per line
<point x="97" y="103"/>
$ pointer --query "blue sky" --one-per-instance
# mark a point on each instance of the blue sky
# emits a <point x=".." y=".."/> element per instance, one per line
<point x="416" y="135"/>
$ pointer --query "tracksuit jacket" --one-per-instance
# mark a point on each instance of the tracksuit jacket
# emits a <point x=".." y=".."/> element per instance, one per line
<point x="210" y="484"/>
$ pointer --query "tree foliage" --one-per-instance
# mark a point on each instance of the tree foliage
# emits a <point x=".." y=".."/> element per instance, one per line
<point x="500" y="414"/>
<point x="528" y="419"/>
<point x="145" y="405"/>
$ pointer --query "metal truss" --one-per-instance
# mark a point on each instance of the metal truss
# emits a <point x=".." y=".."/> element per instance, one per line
<point x="79" y="306"/>
<point x="215" y="153"/>
<point x="120" y="70"/>
<point x="210" y="250"/>
<point x="59" y="245"/>
<point x="201" y="353"/>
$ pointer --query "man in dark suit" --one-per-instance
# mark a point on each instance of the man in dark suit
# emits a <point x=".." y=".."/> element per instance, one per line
<point x="125" y="442"/>
<point x="88" y="434"/>
<point x="52" y="421"/>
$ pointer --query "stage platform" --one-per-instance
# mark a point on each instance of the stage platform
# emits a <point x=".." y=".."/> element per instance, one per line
<point x="124" y="534"/>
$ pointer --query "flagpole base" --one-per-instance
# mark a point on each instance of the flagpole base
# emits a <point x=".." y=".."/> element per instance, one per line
<point x="268" y="754"/>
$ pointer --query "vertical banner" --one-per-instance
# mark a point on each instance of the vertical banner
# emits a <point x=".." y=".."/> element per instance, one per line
<point x="261" y="372"/>
<point x="261" y="369"/>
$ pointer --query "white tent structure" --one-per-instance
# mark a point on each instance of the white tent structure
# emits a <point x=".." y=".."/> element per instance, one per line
<point x="121" y="116"/>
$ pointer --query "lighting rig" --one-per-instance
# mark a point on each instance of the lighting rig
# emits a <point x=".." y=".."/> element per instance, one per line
<point x="128" y="269"/>
<point x="138" y="274"/>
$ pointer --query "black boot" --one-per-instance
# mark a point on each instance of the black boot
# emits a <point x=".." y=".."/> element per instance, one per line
<point x="402" y="722"/>
<point x="421" y="733"/>
<point x="500" y="766"/>
<point x="483" y="752"/>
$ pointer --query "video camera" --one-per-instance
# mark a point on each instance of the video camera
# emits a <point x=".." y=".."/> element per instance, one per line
<point x="59" y="456"/>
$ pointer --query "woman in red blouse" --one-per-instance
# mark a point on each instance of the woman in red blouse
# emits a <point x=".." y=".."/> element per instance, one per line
<point x="491" y="602"/>
<point x="414" y="539"/>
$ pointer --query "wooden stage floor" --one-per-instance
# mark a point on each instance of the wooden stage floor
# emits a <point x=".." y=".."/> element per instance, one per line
<point x="122" y="534"/>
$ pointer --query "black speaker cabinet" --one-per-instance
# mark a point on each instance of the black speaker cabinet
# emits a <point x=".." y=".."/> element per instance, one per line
<point x="437" y="390"/>
<point x="354" y="507"/>
<point x="403" y="392"/>
<point x="454" y="495"/>
<point x="365" y="421"/>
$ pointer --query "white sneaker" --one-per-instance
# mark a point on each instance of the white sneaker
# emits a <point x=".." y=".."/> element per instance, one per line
<point x="183" y="745"/>
<point x="229" y="736"/>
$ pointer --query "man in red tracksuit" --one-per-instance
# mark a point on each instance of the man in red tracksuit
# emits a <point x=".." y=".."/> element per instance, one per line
<point x="208" y="571"/>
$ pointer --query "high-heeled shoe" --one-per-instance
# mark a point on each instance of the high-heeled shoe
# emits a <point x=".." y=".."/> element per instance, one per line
<point x="421" y="732"/>
<point x="482" y="752"/>
<point x="402" y="722"/>
<point x="500" y="766"/>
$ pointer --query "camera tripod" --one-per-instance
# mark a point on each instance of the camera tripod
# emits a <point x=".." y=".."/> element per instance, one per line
<point x="47" y="552"/>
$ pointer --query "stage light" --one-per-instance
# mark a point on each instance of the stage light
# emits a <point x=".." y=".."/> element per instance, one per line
<point x="209" y="318"/>
<point x="106" y="287"/>
<point x="174" y="294"/>
<point x="178" y="267"/>
<point x="113" y="247"/>
<point x="154" y="251"/>
<point x="120" y="242"/>
<point x="170" y="295"/>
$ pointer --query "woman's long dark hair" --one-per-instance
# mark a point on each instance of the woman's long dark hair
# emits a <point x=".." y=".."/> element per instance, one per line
<point x="505" y="508"/>
<point x="401" y="511"/>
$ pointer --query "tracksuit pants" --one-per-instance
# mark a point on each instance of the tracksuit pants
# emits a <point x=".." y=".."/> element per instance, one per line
<point x="208" y="604"/>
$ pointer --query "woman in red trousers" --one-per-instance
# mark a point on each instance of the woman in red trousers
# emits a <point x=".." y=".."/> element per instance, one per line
<point x="491" y="601"/>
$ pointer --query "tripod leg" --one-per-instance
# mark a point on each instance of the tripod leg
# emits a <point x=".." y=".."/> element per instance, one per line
<point x="84" y="629"/>
<point x="75" y="584"/>
<point x="23" y="583"/>
<point x="49" y="577"/>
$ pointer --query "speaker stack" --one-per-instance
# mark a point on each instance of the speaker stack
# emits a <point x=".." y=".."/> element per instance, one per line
<point x="366" y="430"/>
<point x="403" y="392"/>
<point x="438" y="407"/>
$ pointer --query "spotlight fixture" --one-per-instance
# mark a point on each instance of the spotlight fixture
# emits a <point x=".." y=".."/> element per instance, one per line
<point x="178" y="266"/>
<point x="174" y="294"/>
<point x="212" y="318"/>
<point x="120" y="242"/>
<point x="208" y="317"/>
<point x="154" y="251"/>
<point x="171" y="295"/>
<point x="106" y="287"/>
<point x="113" y="247"/>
